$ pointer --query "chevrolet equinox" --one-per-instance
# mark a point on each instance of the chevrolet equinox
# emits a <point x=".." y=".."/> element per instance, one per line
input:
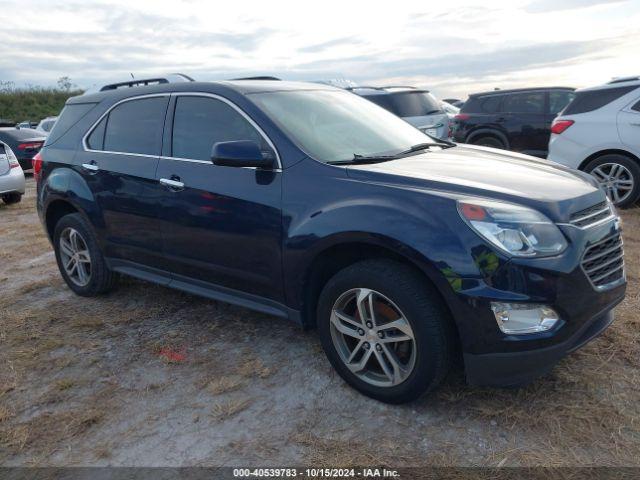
<point x="310" y="203"/>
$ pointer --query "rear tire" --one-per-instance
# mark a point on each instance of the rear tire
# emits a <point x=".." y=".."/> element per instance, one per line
<point x="619" y="176"/>
<point x="396" y="287"/>
<point x="487" y="141"/>
<point x="77" y="250"/>
<point x="11" y="198"/>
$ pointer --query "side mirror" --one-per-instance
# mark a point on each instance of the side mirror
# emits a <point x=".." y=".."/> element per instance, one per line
<point x="240" y="153"/>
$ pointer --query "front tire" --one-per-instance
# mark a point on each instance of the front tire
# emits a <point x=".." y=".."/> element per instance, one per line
<point x="11" y="198"/>
<point x="79" y="257"/>
<point x="401" y="350"/>
<point x="619" y="176"/>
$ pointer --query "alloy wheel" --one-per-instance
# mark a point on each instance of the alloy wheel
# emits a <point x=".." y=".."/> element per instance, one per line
<point x="75" y="257"/>
<point x="373" y="337"/>
<point x="616" y="180"/>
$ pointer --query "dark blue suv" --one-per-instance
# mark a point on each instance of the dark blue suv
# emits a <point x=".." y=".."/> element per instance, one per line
<point x="308" y="202"/>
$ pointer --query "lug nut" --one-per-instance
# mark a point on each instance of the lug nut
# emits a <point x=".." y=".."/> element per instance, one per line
<point x="380" y="334"/>
<point x="360" y="332"/>
<point x="366" y="346"/>
<point x="378" y="347"/>
<point x="369" y="325"/>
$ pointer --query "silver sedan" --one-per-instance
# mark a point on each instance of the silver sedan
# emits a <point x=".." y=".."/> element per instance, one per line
<point x="11" y="176"/>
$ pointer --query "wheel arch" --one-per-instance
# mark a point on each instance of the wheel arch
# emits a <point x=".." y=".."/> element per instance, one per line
<point x="609" y="151"/>
<point x="55" y="210"/>
<point x="340" y="254"/>
<point x="488" y="132"/>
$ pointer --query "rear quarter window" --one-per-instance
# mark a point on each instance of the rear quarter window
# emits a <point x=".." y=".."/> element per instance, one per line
<point x="70" y="115"/>
<point x="594" y="99"/>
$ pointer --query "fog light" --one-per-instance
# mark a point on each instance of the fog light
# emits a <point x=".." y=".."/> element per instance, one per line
<point x="519" y="318"/>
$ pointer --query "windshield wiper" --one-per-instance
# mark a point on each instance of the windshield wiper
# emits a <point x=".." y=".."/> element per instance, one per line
<point x="424" y="146"/>
<point x="357" y="158"/>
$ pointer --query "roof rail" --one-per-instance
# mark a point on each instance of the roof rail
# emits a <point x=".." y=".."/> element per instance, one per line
<point x="356" y="87"/>
<point x="259" y="77"/>
<point x="624" y="79"/>
<point x="400" y="86"/>
<point x="141" y="82"/>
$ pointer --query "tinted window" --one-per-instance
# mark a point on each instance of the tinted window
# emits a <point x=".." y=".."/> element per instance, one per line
<point x="95" y="141"/>
<point x="490" y="104"/>
<point x="636" y="107"/>
<point x="199" y="123"/>
<point x="594" y="99"/>
<point x="527" y="102"/>
<point x="70" y="115"/>
<point x="559" y="99"/>
<point x="136" y="126"/>
<point x="408" y="104"/>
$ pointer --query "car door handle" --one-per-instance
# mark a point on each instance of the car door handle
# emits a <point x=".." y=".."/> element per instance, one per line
<point x="173" y="184"/>
<point x="92" y="167"/>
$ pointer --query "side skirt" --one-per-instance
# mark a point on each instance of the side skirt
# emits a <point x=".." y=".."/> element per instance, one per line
<point x="204" y="289"/>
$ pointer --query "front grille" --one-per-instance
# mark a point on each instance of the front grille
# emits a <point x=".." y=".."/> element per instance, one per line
<point x="603" y="262"/>
<point x="591" y="215"/>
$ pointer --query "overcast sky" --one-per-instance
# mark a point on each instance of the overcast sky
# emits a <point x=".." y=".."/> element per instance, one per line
<point x="452" y="47"/>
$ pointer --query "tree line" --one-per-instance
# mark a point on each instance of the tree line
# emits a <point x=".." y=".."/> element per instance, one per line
<point x="34" y="103"/>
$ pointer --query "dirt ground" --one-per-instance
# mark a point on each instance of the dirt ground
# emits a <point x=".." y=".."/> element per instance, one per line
<point x="149" y="376"/>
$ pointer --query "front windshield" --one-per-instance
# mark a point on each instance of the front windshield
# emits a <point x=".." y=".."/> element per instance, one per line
<point x="334" y="125"/>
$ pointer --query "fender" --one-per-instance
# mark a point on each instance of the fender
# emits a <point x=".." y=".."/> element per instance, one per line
<point x="66" y="184"/>
<point x="435" y="244"/>
<point x="488" y="131"/>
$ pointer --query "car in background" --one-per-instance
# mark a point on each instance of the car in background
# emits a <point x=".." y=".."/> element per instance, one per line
<point x="25" y="143"/>
<point x="517" y="120"/>
<point x="416" y="106"/>
<point x="599" y="133"/>
<point x="454" y="101"/>
<point x="12" y="182"/>
<point x="45" y="125"/>
<point x="26" y="124"/>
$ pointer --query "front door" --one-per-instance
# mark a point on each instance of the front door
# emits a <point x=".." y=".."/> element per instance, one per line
<point x="220" y="225"/>
<point x="119" y="165"/>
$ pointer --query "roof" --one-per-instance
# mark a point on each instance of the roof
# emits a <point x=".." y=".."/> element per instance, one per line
<point x="515" y="90"/>
<point x="240" y="86"/>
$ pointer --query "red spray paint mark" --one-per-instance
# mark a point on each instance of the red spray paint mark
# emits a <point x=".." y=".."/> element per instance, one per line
<point x="172" y="355"/>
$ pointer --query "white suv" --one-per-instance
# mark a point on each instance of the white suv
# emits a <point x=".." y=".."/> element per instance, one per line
<point x="599" y="133"/>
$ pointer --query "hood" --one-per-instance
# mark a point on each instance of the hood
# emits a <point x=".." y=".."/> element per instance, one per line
<point x="491" y="173"/>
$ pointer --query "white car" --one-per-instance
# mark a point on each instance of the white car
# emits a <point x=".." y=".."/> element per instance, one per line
<point x="11" y="176"/>
<point x="599" y="133"/>
<point x="46" y="124"/>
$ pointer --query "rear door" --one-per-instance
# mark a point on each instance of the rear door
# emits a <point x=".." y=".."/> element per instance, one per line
<point x="220" y="225"/>
<point x="119" y="163"/>
<point x="524" y="118"/>
<point x="629" y="126"/>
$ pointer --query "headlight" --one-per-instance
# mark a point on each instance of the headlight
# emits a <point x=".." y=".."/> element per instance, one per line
<point x="514" y="229"/>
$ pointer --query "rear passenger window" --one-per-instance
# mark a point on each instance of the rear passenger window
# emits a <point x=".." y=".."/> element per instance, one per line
<point x="559" y="99"/>
<point x="95" y="141"/>
<point x="135" y="126"/>
<point x="636" y="107"/>
<point x="490" y="104"/>
<point x="594" y="99"/>
<point x="531" y="102"/>
<point x="200" y="122"/>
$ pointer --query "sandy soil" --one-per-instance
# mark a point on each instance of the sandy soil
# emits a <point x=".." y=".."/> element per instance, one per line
<point x="150" y="376"/>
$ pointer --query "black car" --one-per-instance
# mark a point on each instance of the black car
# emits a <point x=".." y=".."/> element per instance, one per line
<point x="517" y="120"/>
<point x="25" y="143"/>
<point x="310" y="203"/>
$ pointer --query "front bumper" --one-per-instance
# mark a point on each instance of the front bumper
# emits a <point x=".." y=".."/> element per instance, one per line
<point x="519" y="368"/>
<point x="12" y="182"/>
